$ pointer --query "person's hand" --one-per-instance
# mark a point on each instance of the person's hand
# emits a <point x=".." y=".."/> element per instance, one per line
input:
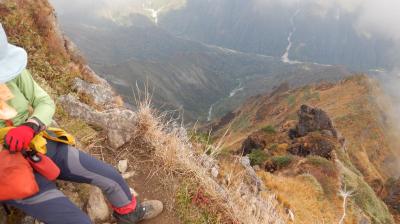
<point x="19" y="138"/>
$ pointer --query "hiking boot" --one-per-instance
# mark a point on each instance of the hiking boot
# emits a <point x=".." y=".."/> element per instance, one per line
<point x="146" y="210"/>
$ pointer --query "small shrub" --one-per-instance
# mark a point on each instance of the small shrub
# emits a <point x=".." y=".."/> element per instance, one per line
<point x="282" y="161"/>
<point x="269" y="129"/>
<point x="257" y="157"/>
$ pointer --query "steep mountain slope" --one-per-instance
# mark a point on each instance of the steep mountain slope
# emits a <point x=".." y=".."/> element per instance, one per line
<point x="358" y="154"/>
<point x="163" y="163"/>
<point x="183" y="73"/>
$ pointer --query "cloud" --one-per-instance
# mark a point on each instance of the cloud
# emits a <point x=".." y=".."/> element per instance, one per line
<point x="380" y="18"/>
<point x="372" y="17"/>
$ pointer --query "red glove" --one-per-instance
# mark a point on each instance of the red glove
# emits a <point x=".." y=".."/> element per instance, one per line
<point x="19" y="138"/>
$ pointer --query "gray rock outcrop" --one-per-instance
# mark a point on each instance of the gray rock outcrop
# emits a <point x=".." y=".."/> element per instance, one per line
<point x="118" y="123"/>
<point x="314" y="119"/>
<point x="101" y="95"/>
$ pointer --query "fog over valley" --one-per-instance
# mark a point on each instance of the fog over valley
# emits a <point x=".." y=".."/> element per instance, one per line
<point x="207" y="56"/>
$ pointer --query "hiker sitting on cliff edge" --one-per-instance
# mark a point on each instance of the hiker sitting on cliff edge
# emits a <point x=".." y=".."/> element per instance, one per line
<point x="50" y="205"/>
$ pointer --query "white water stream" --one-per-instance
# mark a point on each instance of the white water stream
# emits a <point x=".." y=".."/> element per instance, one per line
<point x="231" y="94"/>
<point x="154" y="12"/>
<point x="285" y="57"/>
<point x="209" y="117"/>
<point x="236" y="90"/>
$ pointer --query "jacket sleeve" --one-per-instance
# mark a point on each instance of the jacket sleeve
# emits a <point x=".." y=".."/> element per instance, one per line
<point x="43" y="106"/>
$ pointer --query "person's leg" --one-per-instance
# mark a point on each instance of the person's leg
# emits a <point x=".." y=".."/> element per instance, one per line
<point x="50" y="205"/>
<point x="77" y="166"/>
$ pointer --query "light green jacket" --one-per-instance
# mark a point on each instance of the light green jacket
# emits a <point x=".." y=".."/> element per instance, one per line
<point x="27" y="93"/>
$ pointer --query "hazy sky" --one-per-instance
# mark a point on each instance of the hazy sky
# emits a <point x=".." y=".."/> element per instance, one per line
<point x="374" y="17"/>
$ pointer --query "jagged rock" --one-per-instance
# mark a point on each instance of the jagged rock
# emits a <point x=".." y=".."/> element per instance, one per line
<point x="251" y="173"/>
<point x="118" y="138"/>
<point x="252" y="142"/>
<point x="245" y="161"/>
<point x="119" y="123"/>
<point x="90" y="75"/>
<point x="100" y="94"/>
<point x="123" y="166"/>
<point x="313" y="119"/>
<point x="313" y="145"/>
<point x="97" y="207"/>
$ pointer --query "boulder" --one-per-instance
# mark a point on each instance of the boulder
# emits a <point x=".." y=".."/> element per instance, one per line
<point x="101" y="95"/>
<point x="97" y="208"/>
<point x="314" y="144"/>
<point x="313" y="119"/>
<point x="252" y="142"/>
<point x="119" y="123"/>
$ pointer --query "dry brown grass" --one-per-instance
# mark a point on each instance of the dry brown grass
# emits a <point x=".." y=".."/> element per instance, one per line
<point x="305" y="197"/>
<point x="171" y="145"/>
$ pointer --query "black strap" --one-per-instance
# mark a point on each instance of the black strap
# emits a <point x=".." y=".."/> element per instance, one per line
<point x="6" y="209"/>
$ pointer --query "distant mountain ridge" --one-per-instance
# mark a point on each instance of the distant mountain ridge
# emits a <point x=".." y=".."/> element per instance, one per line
<point x="184" y="74"/>
<point x="263" y="28"/>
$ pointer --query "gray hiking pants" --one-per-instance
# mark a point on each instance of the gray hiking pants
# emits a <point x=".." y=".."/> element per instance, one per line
<point x="52" y="207"/>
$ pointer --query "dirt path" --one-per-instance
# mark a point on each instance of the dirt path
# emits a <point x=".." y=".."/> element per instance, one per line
<point x="152" y="182"/>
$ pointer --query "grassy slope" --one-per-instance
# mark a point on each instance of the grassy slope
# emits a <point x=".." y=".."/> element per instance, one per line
<point x="367" y="160"/>
<point x="27" y="24"/>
